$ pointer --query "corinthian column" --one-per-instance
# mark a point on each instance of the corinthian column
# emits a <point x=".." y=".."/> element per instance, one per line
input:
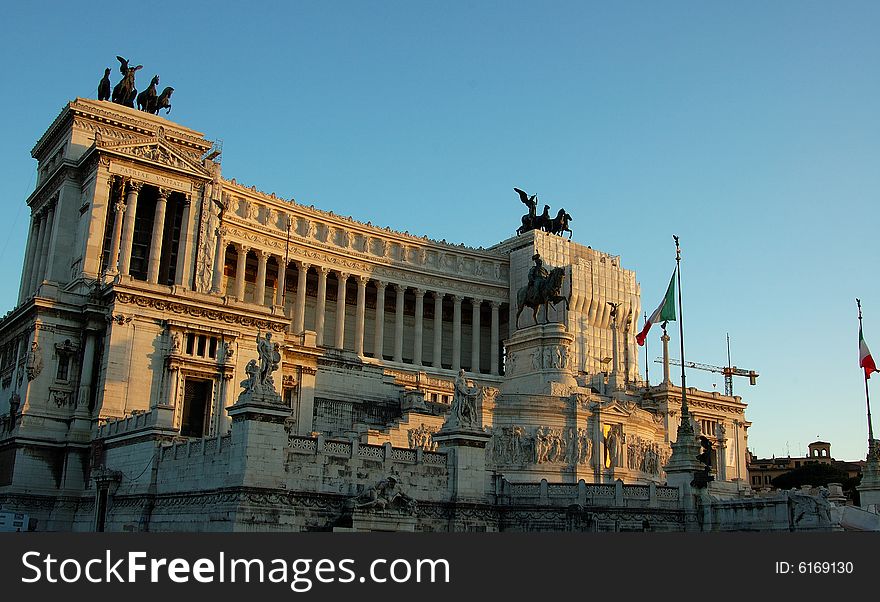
<point x="280" y="283"/>
<point x="475" y="335"/>
<point x="239" y="271"/>
<point x="131" y="201"/>
<point x="321" y="305"/>
<point x="456" y="332"/>
<point x="113" y="259"/>
<point x="219" y="262"/>
<point x="299" y="320"/>
<point x="419" y="325"/>
<point x="493" y="339"/>
<point x="184" y="247"/>
<point x="262" y="259"/>
<point x="379" y="333"/>
<point x="359" y="314"/>
<point x="341" y="281"/>
<point x="398" y="323"/>
<point x="158" y="233"/>
<point x="44" y="248"/>
<point x="438" y="330"/>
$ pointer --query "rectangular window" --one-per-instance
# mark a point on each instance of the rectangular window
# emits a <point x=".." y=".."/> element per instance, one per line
<point x="196" y="395"/>
<point x="63" y="367"/>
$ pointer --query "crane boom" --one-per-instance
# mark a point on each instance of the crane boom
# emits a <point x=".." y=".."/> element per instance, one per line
<point x="728" y="371"/>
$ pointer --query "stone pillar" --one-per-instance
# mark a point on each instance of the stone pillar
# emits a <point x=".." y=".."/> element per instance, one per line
<point x="465" y="460"/>
<point x="184" y="248"/>
<point x="342" y="280"/>
<point x="379" y="334"/>
<point x="456" y="332"/>
<point x="240" y="266"/>
<point x="475" y="336"/>
<point x="299" y="319"/>
<point x="219" y="262"/>
<point x="262" y="260"/>
<point x="40" y="218"/>
<point x="321" y="306"/>
<point x="113" y="260"/>
<point x="131" y="200"/>
<point x="438" y="330"/>
<point x="493" y="338"/>
<point x="398" y="323"/>
<point x="359" y="314"/>
<point x="280" y="283"/>
<point x="33" y="234"/>
<point x="158" y="233"/>
<point x="81" y="422"/>
<point x="44" y="248"/>
<point x="419" y="326"/>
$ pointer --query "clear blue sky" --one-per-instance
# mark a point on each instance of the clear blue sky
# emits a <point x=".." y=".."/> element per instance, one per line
<point x="750" y="129"/>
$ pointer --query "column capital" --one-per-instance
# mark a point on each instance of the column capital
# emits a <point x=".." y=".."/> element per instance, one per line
<point x="362" y="280"/>
<point x="380" y="285"/>
<point x="241" y="247"/>
<point x="187" y="200"/>
<point x="135" y="186"/>
<point x="476" y="301"/>
<point x="119" y="206"/>
<point x="494" y="304"/>
<point x="399" y="287"/>
<point x="263" y="254"/>
<point x="342" y="275"/>
<point x="438" y="295"/>
<point x="222" y="232"/>
<point x="323" y="270"/>
<point x="456" y="298"/>
<point x="419" y="292"/>
<point x="164" y="193"/>
<point x="303" y="265"/>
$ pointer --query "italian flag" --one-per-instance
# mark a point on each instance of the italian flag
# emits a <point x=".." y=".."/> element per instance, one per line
<point x="865" y="359"/>
<point x="665" y="312"/>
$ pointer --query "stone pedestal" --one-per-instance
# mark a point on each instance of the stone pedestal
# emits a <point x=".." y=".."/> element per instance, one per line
<point x="680" y="471"/>
<point x="538" y="361"/>
<point x="259" y="438"/>
<point x="869" y="489"/>
<point x="466" y="460"/>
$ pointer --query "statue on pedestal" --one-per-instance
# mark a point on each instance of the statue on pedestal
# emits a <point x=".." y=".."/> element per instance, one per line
<point x="464" y="413"/>
<point x="544" y="288"/>
<point x="124" y="92"/>
<point x="259" y="382"/>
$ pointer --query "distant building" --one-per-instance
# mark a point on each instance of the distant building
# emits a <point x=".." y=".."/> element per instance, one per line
<point x="762" y="471"/>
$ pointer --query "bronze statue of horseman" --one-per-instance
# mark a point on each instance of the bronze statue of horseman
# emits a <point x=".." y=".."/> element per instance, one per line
<point x="544" y="288"/>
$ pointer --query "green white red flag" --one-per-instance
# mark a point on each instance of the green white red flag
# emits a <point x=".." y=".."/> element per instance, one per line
<point x="866" y="361"/>
<point x="665" y="312"/>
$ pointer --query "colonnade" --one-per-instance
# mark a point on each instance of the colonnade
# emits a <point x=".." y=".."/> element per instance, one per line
<point x="37" y="253"/>
<point x="236" y="288"/>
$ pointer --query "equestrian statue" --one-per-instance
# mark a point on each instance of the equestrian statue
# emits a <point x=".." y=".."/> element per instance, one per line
<point x="533" y="221"/>
<point x="544" y="288"/>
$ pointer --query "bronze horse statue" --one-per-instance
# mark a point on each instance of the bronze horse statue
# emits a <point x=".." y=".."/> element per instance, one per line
<point x="546" y="291"/>
<point x="164" y="100"/>
<point x="559" y="224"/>
<point x="146" y="100"/>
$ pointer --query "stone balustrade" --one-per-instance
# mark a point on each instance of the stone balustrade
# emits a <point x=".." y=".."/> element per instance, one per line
<point x="605" y="495"/>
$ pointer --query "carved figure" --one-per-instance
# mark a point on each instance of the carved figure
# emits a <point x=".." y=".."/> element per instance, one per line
<point x="559" y="224"/>
<point x="543" y="289"/>
<point x="104" y="86"/>
<point x="253" y="371"/>
<point x="270" y="356"/>
<point x="164" y="100"/>
<point x="528" y="220"/>
<point x="125" y="91"/>
<point x="464" y="404"/>
<point x="146" y="100"/>
<point x="175" y="343"/>
<point x="385" y="494"/>
<point x="34" y="362"/>
<point x="702" y="477"/>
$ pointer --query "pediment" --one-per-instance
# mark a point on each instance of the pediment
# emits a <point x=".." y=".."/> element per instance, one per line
<point x="155" y="150"/>
<point x="615" y="407"/>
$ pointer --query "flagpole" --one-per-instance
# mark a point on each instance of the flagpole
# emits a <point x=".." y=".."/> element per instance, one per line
<point x="647" y="360"/>
<point x="685" y="427"/>
<point x="871" y="450"/>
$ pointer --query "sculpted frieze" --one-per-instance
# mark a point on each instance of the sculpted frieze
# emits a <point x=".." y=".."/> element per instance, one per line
<point x="198" y="312"/>
<point x="517" y="445"/>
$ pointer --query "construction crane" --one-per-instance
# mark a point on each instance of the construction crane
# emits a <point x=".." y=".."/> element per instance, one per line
<point x="728" y="371"/>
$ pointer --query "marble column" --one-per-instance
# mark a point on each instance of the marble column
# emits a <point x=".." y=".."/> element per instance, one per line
<point x="158" y="234"/>
<point x="398" y="323"/>
<point x="299" y="315"/>
<point x="113" y="259"/>
<point x="475" y="335"/>
<point x="419" y="326"/>
<point x="437" y="360"/>
<point x="44" y="247"/>
<point x="85" y="379"/>
<point x="262" y="260"/>
<point x="38" y="247"/>
<point x="379" y="334"/>
<point x="359" y="314"/>
<point x="131" y="200"/>
<point x="456" y="332"/>
<point x="184" y="248"/>
<point x="280" y="283"/>
<point x="33" y="234"/>
<point x="321" y="305"/>
<point x="493" y="338"/>
<point x="341" y="281"/>
<point x="239" y="271"/>
<point x="219" y="262"/>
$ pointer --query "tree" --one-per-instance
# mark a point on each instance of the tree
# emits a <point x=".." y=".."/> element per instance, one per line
<point x="813" y="474"/>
